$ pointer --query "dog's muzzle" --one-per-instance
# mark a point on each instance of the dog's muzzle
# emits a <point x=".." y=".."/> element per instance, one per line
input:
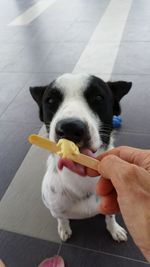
<point x="73" y="129"/>
<point x="77" y="131"/>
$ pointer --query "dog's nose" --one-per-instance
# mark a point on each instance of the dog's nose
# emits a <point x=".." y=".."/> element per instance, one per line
<point x="72" y="129"/>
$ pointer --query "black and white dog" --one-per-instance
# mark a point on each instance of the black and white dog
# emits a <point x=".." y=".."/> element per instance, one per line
<point x="79" y="108"/>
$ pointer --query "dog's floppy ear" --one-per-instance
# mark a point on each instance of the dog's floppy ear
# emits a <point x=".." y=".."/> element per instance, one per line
<point x="119" y="89"/>
<point x="37" y="94"/>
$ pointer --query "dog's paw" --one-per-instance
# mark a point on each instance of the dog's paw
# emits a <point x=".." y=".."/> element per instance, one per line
<point x="118" y="233"/>
<point x="64" y="231"/>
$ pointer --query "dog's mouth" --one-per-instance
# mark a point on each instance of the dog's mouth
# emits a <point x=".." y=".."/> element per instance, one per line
<point x="75" y="167"/>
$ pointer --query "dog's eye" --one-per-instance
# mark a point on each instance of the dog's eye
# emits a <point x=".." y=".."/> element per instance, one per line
<point x="51" y="100"/>
<point x="98" y="98"/>
<point x="54" y="98"/>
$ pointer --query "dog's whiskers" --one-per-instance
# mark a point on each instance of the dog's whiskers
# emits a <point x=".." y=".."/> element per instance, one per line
<point x="106" y="126"/>
<point x="104" y="130"/>
<point x="106" y="135"/>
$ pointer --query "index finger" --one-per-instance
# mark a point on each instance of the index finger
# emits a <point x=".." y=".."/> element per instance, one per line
<point x="132" y="155"/>
<point x="129" y="154"/>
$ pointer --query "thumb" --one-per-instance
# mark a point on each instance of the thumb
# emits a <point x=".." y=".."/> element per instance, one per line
<point x="117" y="170"/>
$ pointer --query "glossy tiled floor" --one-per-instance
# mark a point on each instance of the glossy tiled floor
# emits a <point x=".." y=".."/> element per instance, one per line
<point x="39" y="40"/>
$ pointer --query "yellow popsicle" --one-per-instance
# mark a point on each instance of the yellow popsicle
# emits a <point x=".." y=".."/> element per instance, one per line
<point x="66" y="149"/>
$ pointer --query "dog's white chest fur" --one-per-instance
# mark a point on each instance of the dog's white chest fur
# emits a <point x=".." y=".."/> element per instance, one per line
<point x="62" y="190"/>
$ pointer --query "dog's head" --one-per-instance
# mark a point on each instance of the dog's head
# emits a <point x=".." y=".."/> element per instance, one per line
<point x="80" y="108"/>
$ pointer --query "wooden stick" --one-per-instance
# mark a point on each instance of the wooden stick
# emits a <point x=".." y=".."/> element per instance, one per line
<point x="51" y="146"/>
<point x="43" y="143"/>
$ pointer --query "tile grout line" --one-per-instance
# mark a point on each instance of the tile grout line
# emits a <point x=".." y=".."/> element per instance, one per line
<point x="59" y="249"/>
<point x="105" y="253"/>
<point x="15" y="97"/>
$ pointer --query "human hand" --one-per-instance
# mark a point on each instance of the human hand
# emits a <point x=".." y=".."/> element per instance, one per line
<point x="125" y="186"/>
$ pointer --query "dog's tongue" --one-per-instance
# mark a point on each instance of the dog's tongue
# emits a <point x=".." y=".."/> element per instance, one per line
<point x="75" y="167"/>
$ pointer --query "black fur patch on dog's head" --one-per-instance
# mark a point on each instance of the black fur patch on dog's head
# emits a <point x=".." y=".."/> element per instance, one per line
<point x="103" y="98"/>
<point x="48" y="99"/>
<point x="118" y="89"/>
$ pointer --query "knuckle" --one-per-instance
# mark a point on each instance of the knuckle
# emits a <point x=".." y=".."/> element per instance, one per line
<point x="130" y="171"/>
<point x="106" y="165"/>
<point x="110" y="158"/>
<point x="121" y="147"/>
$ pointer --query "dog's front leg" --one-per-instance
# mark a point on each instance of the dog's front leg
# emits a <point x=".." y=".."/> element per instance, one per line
<point x="64" y="229"/>
<point x="87" y="208"/>
<point x="82" y="209"/>
<point x="117" y="232"/>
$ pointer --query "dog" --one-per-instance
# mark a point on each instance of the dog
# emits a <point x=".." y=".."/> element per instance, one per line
<point x="80" y="108"/>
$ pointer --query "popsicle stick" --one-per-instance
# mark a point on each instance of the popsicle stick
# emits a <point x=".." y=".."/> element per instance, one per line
<point x="86" y="161"/>
<point x="51" y="146"/>
<point x="43" y="143"/>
